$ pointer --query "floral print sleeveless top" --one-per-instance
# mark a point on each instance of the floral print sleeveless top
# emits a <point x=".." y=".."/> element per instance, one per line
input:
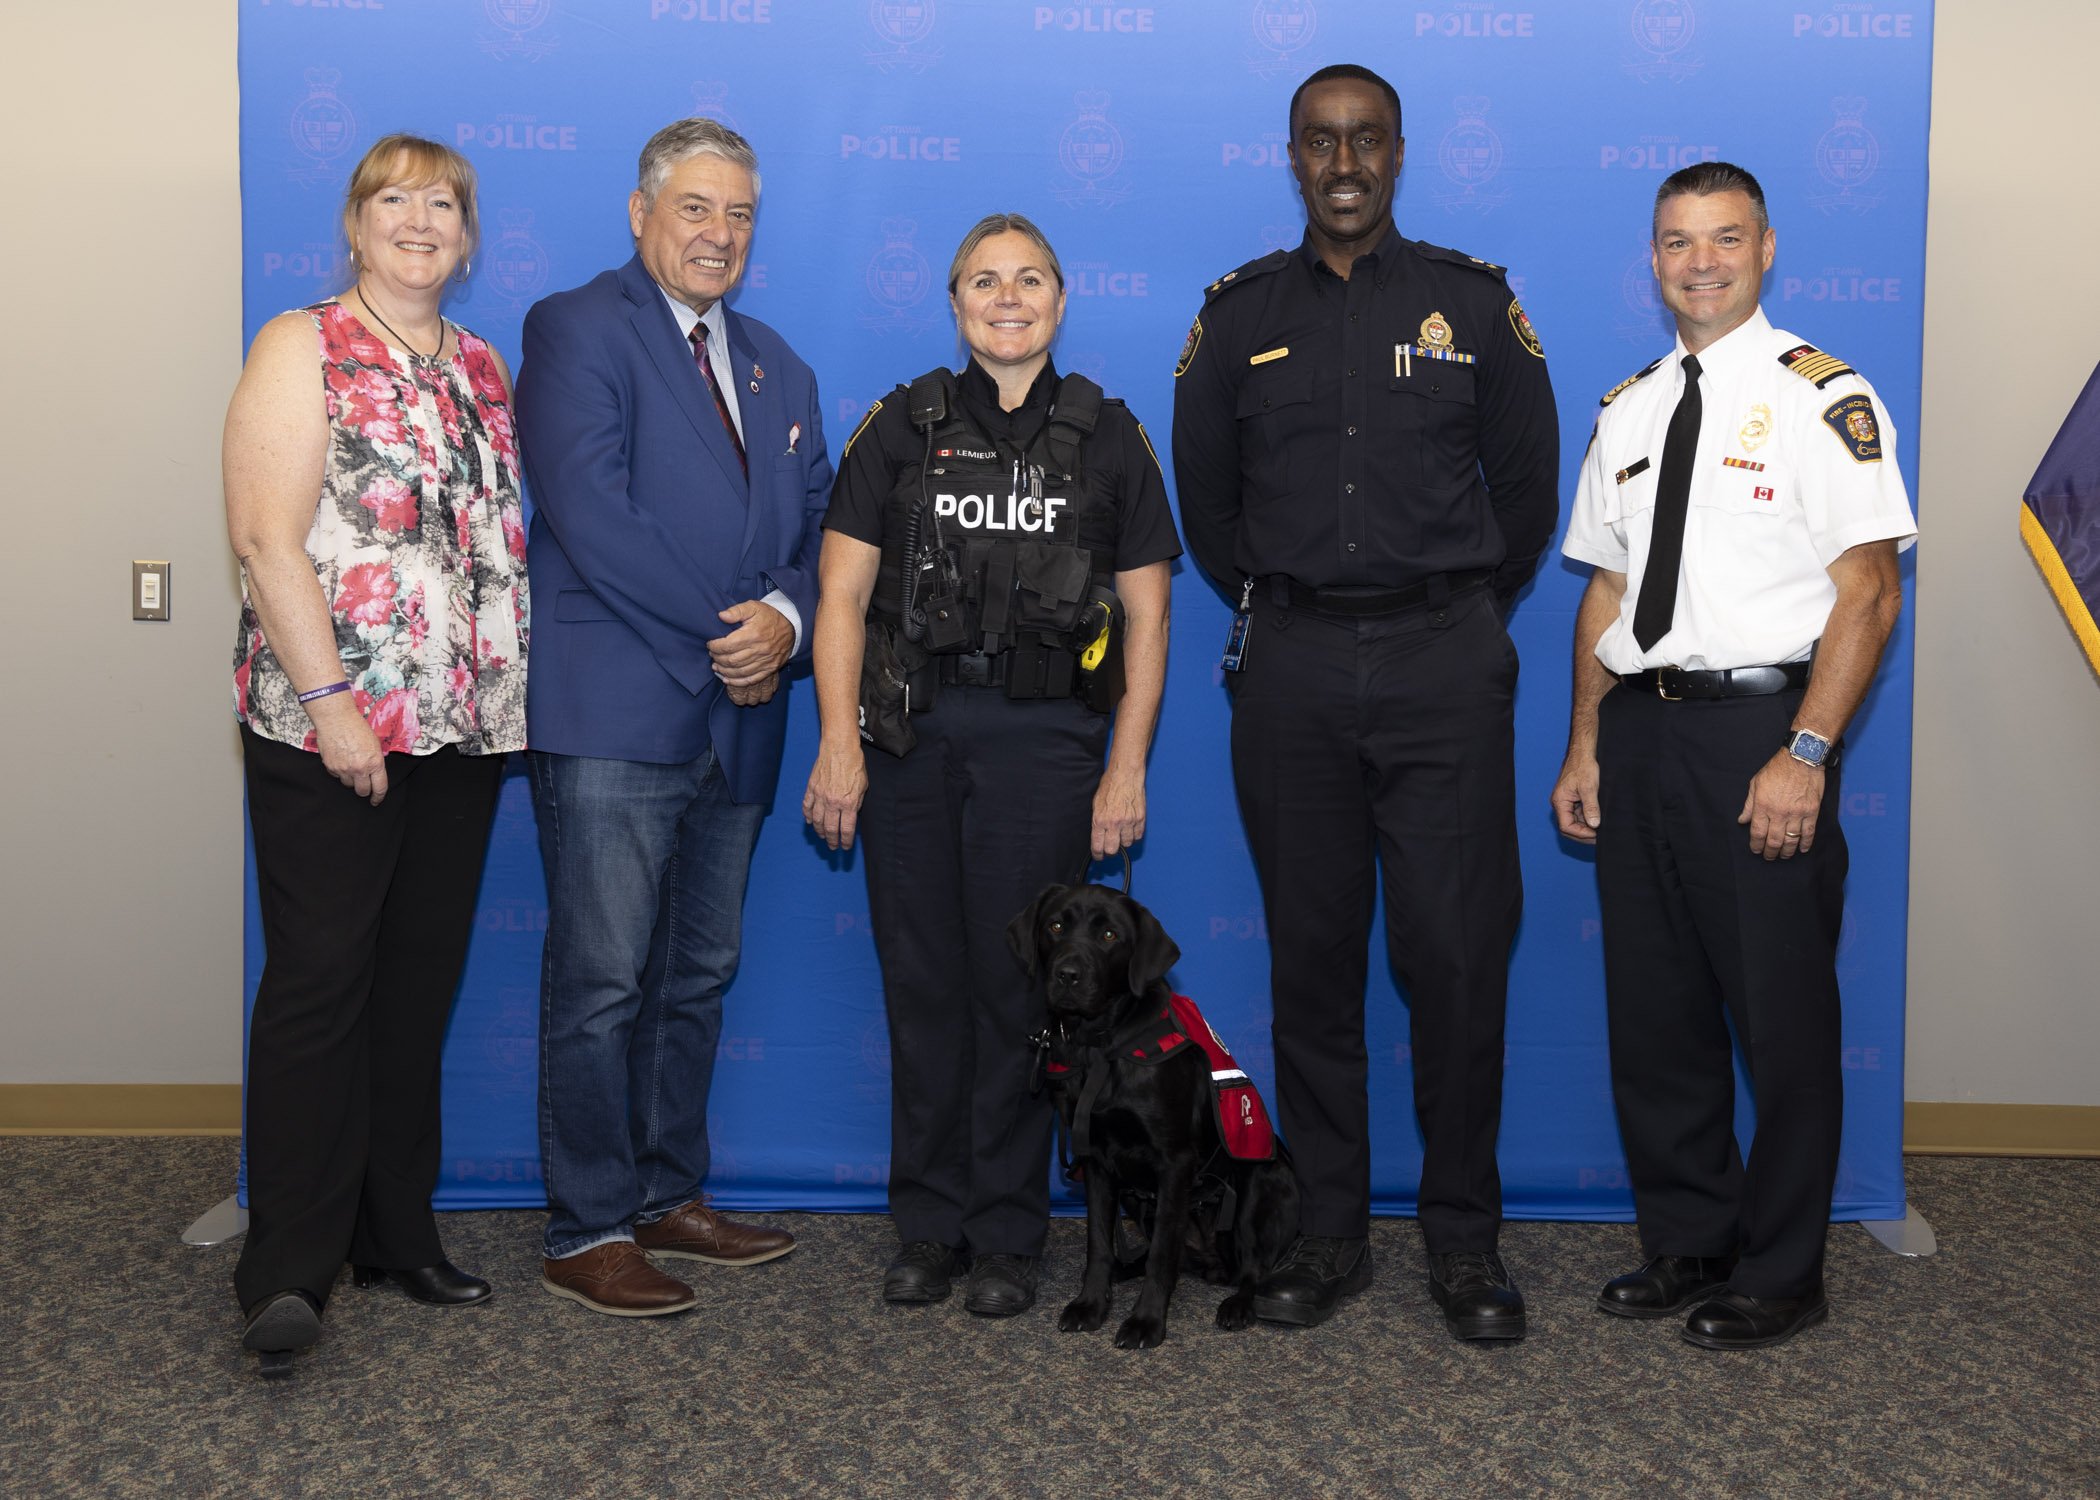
<point x="419" y="541"/>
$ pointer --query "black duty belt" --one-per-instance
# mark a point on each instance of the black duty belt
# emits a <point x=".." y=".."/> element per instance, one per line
<point x="973" y="669"/>
<point x="1727" y="682"/>
<point x="1378" y="602"/>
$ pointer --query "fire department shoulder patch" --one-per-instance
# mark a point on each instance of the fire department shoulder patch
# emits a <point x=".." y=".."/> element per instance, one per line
<point x="1852" y="419"/>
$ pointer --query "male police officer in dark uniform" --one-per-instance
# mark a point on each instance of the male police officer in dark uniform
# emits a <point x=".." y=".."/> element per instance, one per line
<point x="1366" y="447"/>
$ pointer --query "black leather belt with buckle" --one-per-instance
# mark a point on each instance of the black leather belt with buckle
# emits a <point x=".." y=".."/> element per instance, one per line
<point x="1382" y="601"/>
<point x="1727" y="682"/>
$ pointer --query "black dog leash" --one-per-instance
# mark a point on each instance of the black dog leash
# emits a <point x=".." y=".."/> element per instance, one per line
<point x="1089" y="863"/>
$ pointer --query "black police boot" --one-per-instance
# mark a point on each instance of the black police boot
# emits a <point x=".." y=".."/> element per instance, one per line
<point x="1001" y="1285"/>
<point x="1310" y="1282"/>
<point x="1477" y="1296"/>
<point x="923" y="1271"/>
<point x="1665" y="1285"/>
<point x="1731" y="1320"/>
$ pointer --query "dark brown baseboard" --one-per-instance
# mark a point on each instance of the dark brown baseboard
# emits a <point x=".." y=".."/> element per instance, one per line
<point x="120" y="1109"/>
<point x="2001" y="1130"/>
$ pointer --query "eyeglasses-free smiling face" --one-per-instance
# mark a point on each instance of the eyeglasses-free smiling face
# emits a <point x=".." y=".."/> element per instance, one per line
<point x="1008" y="302"/>
<point x="1345" y="152"/>
<point x="1710" y="258"/>
<point x="695" y="237"/>
<point x="412" y="237"/>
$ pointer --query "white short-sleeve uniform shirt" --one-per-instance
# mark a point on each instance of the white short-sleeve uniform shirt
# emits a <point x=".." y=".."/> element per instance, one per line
<point x="1795" y="465"/>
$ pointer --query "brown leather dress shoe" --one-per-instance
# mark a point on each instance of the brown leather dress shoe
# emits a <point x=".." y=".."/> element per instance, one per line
<point x="616" y="1278"/>
<point x="693" y="1231"/>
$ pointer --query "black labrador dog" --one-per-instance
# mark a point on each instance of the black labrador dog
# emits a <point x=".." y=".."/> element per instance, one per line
<point x="1144" y="1132"/>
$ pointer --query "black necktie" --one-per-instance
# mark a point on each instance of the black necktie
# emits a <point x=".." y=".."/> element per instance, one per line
<point x="698" y="339"/>
<point x="1673" y="490"/>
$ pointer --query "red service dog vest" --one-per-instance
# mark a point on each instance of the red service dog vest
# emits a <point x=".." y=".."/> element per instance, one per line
<point x="1243" y="1121"/>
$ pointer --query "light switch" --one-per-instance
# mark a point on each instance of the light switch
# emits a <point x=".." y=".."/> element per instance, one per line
<point x="149" y="590"/>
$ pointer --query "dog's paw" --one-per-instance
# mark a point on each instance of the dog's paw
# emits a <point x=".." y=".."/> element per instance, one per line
<point x="1082" y="1316"/>
<point x="1236" y="1312"/>
<point x="1140" y="1331"/>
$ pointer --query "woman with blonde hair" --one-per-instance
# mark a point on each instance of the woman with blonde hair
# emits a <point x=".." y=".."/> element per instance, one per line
<point x="371" y="478"/>
<point x="994" y="588"/>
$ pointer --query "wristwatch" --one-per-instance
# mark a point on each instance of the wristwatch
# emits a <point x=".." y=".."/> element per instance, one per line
<point x="1811" y="749"/>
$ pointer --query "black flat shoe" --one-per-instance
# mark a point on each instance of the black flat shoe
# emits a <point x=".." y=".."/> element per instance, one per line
<point x="1477" y="1296"/>
<point x="1665" y="1285"/>
<point x="282" y="1322"/>
<point x="1310" y="1282"/>
<point x="1731" y="1320"/>
<point x="923" y="1271"/>
<point x="441" y="1285"/>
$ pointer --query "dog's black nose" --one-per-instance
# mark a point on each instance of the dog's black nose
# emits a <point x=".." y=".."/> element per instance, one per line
<point x="1066" y="973"/>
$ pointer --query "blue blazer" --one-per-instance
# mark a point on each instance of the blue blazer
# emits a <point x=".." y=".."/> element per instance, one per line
<point x="644" y="526"/>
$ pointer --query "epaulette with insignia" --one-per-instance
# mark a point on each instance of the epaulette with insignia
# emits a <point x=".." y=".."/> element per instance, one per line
<point x="1457" y="258"/>
<point x="1812" y="364"/>
<point x="1613" y="394"/>
<point x="1275" y="260"/>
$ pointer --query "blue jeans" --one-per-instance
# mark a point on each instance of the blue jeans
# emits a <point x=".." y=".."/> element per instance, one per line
<point x="646" y="866"/>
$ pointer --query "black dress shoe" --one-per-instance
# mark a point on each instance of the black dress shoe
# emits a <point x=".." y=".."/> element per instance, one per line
<point x="1310" y="1282"/>
<point x="1731" y="1320"/>
<point x="1001" y="1285"/>
<point x="441" y="1285"/>
<point x="922" y="1272"/>
<point x="1477" y="1296"/>
<point x="281" y="1322"/>
<point x="1667" y="1284"/>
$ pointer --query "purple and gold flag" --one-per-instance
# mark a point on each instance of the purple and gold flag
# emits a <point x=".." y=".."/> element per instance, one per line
<point x="2061" y="520"/>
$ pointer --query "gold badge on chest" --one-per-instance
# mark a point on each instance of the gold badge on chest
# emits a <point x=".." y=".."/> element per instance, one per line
<point x="1757" y="426"/>
<point x="1436" y="332"/>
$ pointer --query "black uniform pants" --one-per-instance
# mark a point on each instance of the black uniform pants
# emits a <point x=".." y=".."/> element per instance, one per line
<point x="366" y="914"/>
<point x="993" y="803"/>
<point x="1375" y="746"/>
<point x="1699" y="932"/>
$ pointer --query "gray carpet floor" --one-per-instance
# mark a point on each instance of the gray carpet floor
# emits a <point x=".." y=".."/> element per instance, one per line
<point x="1976" y="1372"/>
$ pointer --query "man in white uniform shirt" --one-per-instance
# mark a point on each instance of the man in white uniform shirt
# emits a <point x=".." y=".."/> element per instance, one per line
<point x="1741" y="509"/>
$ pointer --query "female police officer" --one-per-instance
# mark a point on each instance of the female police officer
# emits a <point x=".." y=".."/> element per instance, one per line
<point x="994" y="571"/>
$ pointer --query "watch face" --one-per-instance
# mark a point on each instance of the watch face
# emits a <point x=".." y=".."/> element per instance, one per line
<point x="1809" y="747"/>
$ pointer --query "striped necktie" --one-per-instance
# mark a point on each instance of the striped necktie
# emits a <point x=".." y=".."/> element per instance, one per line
<point x="698" y="338"/>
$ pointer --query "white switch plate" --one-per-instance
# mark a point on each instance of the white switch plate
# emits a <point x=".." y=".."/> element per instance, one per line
<point x="149" y="590"/>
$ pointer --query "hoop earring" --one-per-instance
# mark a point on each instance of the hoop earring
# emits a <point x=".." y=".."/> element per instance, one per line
<point x="466" y="269"/>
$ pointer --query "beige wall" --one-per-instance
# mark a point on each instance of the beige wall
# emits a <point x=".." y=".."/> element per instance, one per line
<point x="120" y="802"/>
<point x="2005" y="822"/>
<point x="120" y="911"/>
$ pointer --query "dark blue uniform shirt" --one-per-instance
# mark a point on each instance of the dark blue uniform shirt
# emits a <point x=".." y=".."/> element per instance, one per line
<point x="1367" y="433"/>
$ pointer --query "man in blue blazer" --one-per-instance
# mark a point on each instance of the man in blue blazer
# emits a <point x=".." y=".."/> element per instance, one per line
<point x="678" y="477"/>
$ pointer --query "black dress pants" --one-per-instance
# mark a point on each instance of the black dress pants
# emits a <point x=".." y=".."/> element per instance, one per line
<point x="366" y="915"/>
<point x="1699" y="932"/>
<point x="1382" y="746"/>
<point x="993" y="803"/>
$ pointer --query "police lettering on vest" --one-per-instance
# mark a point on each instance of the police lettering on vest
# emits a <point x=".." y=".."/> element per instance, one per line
<point x="997" y="512"/>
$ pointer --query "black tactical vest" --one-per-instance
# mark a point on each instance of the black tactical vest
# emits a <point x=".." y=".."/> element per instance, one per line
<point x="985" y="550"/>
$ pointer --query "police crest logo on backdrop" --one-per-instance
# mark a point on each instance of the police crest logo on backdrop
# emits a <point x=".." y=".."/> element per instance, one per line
<point x="1662" y="30"/>
<point x="1470" y="155"/>
<point x="514" y="23"/>
<point x="1847" y="157"/>
<point x="903" y="26"/>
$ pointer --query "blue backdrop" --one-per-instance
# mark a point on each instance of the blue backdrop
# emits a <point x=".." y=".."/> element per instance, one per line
<point x="1148" y="140"/>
